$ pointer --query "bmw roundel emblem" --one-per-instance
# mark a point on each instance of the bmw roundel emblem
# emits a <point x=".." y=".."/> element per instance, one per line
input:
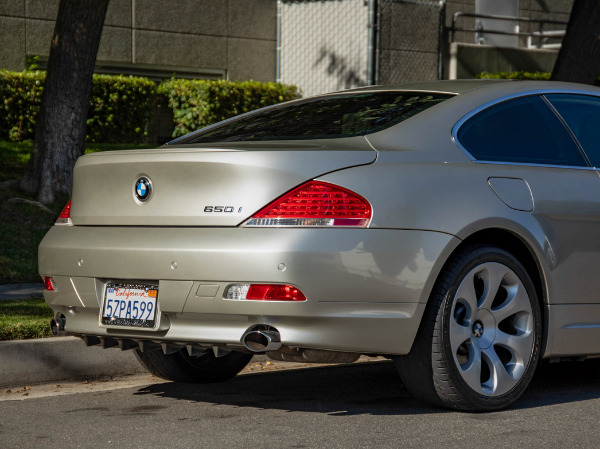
<point x="143" y="189"/>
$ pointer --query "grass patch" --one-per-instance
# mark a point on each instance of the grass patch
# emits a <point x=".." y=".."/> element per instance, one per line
<point x="22" y="225"/>
<point x="13" y="159"/>
<point x="22" y="319"/>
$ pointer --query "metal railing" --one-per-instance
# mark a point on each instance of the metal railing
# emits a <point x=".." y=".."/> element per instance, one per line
<point x="541" y="35"/>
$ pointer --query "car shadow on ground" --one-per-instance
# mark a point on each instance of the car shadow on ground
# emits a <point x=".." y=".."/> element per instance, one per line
<point x="367" y="388"/>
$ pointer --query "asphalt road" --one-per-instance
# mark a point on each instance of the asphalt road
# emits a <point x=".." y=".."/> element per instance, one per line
<point x="358" y="406"/>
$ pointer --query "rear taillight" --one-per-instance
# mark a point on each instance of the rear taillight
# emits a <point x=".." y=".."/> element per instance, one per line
<point x="65" y="216"/>
<point x="49" y="284"/>
<point x="264" y="292"/>
<point x="315" y="203"/>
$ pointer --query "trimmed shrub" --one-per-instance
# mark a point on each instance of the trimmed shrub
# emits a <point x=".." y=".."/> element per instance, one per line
<point x="20" y="99"/>
<point x="120" y="106"/>
<point x="199" y="103"/>
<point x="521" y="75"/>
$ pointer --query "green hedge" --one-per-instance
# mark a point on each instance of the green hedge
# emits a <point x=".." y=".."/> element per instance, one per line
<point x="199" y="103"/>
<point x="20" y="99"/>
<point x="521" y="75"/>
<point x="120" y="106"/>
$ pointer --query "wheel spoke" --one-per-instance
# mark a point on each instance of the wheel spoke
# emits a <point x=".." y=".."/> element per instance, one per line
<point x="494" y="273"/>
<point x="519" y="302"/>
<point x="519" y="345"/>
<point x="472" y="373"/>
<point x="466" y="293"/>
<point x="458" y="335"/>
<point x="500" y="380"/>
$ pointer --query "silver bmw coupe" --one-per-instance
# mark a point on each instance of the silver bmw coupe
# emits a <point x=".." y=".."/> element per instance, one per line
<point x="453" y="227"/>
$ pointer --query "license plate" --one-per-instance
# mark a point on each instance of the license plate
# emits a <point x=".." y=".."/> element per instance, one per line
<point x="132" y="305"/>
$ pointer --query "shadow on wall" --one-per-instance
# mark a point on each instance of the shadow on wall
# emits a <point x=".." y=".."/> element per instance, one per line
<point x="339" y="67"/>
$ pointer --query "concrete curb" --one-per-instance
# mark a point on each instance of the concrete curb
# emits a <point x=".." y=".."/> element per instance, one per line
<point x="44" y="360"/>
<point x="64" y="359"/>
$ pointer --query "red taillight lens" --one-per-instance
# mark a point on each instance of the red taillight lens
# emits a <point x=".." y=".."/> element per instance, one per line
<point x="65" y="216"/>
<point x="274" y="292"/>
<point x="315" y="203"/>
<point x="264" y="292"/>
<point x="49" y="283"/>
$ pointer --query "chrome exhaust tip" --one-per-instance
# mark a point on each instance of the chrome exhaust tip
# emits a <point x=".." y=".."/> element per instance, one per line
<point x="262" y="339"/>
<point x="57" y="325"/>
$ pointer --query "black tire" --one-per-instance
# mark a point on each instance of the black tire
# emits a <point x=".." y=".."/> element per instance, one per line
<point x="494" y="364"/>
<point x="203" y="368"/>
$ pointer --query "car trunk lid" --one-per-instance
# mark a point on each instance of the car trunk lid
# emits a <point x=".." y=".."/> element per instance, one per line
<point x="207" y="185"/>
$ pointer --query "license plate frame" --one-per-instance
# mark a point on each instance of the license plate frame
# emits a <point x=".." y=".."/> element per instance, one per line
<point x="130" y="305"/>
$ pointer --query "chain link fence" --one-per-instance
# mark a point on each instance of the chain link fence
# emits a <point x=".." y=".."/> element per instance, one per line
<point x="330" y="45"/>
<point x="410" y="40"/>
<point x="323" y="44"/>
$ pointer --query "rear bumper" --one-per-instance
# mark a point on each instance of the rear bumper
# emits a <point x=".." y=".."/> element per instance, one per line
<point x="366" y="289"/>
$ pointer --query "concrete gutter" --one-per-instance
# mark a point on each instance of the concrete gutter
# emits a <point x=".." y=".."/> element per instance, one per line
<point x="24" y="362"/>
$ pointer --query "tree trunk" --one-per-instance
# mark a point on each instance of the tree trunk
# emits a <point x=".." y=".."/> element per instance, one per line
<point x="579" y="57"/>
<point x="60" y="129"/>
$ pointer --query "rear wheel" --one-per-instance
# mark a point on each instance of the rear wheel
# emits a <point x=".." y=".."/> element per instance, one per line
<point x="202" y="368"/>
<point x="479" y="342"/>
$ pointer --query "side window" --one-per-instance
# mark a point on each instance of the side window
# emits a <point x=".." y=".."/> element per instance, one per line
<point x="524" y="130"/>
<point x="582" y="114"/>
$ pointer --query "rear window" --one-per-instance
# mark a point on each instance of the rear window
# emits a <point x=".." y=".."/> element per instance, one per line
<point x="323" y="118"/>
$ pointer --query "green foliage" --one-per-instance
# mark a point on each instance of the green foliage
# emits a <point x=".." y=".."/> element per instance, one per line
<point x="199" y="103"/>
<point x="120" y="106"/>
<point x="20" y="99"/>
<point x="13" y="159"/>
<point x="521" y="75"/>
<point x="24" y="318"/>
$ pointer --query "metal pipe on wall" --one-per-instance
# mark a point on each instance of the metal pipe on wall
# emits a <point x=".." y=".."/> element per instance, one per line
<point x="371" y="47"/>
<point x="278" y="51"/>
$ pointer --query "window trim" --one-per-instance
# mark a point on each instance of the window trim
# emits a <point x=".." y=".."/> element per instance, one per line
<point x="568" y="128"/>
<point x="534" y="92"/>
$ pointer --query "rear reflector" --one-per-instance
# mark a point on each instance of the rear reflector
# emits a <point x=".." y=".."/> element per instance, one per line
<point x="264" y="292"/>
<point x="315" y="203"/>
<point x="65" y="216"/>
<point x="49" y="283"/>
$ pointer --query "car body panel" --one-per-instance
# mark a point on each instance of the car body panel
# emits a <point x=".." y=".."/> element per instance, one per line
<point x="575" y="330"/>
